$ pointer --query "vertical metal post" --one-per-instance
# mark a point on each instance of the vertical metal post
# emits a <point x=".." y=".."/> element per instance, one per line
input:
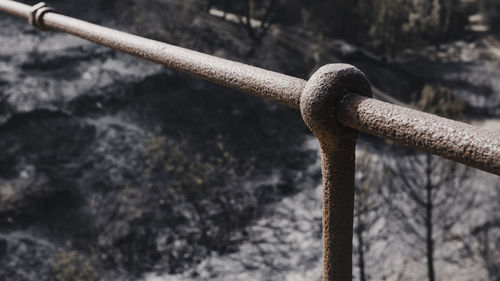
<point x="323" y="92"/>
<point x="337" y="164"/>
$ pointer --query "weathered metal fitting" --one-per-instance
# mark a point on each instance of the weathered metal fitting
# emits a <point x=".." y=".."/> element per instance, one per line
<point x="36" y="14"/>
<point x="323" y="92"/>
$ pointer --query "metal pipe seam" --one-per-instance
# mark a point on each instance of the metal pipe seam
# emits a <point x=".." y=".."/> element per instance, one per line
<point x="323" y="92"/>
<point x="32" y="14"/>
<point x="36" y="15"/>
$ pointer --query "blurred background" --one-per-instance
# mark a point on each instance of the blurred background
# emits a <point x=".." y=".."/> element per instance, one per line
<point x="114" y="168"/>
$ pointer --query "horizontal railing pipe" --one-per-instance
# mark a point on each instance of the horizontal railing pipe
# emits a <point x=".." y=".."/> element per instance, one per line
<point x="335" y="103"/>
<point x="470" y="145"/>
<point x="15" y="8"/>
<point x="267" y="84"/>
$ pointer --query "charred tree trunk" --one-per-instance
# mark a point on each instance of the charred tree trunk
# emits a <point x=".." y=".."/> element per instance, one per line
<point x="361" y="251"/>
<point x="428" y="221"/>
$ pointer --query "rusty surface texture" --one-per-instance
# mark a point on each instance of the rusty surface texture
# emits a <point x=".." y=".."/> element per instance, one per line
<point x="427" y="135"/>
<point x="466" y="144"/>
<point x="323" y="92"/>
<point x="267" y="84"/>
<point x="328" y="106"/>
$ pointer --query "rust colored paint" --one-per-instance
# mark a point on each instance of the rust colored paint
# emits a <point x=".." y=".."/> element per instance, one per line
<point x="324" y="92"/>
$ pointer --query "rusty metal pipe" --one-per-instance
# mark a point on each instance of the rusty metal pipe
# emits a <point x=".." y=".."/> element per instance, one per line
<point x="331" y="111"/>
<point x="470" y="145"/>
<point x="267" y="84"/>
<point x="323" y="92"/>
